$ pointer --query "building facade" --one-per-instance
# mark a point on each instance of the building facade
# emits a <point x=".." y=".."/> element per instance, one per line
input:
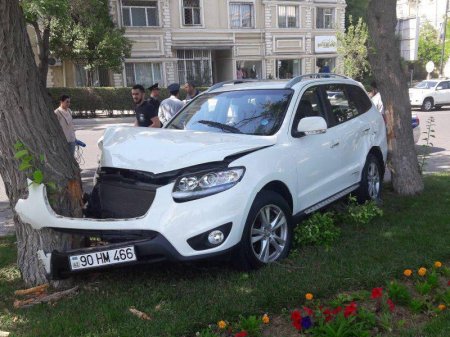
<point x="209" y="41"/>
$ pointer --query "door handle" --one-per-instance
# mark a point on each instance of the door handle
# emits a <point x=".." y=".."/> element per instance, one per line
<point x="335" y="144"/>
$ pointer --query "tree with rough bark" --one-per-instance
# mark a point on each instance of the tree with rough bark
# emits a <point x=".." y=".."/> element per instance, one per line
<point x="385" y="60"/>
<point x="26" y="115"/>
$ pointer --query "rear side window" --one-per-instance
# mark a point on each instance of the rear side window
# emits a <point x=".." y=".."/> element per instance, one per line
<point x="360" y="98"/>
<point x="345" y="102"/>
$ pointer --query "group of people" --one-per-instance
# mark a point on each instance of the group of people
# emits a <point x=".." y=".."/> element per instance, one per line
<point x="152" y="113"/>
<point x="149" y="112"/>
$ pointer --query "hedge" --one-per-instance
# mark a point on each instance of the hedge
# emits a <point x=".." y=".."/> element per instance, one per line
<point x="85" y="101"/>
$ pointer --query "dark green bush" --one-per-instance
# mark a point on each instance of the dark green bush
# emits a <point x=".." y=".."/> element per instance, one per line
<point x="89" y="100"/>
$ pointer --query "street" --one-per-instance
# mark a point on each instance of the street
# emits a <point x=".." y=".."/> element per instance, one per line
<point x="90" y="130"/>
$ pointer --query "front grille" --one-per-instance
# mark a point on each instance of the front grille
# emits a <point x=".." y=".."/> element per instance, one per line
<point x="120" y="194"/>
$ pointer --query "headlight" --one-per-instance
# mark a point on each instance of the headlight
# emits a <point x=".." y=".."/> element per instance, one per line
<point x="202" y="184"/>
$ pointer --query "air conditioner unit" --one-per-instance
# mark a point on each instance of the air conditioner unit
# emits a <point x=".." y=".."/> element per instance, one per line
<point x="54" y="62"/>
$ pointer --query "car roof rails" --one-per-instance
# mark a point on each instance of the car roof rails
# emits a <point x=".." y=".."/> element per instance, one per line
<point x="226" y="83"/>
<point x="300" y="78"/>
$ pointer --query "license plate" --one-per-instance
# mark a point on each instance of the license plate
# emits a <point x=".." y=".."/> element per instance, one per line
<point x="102" y="258"/>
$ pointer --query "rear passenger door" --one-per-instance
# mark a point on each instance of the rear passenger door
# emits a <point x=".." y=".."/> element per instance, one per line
<point x="350" y="130"/>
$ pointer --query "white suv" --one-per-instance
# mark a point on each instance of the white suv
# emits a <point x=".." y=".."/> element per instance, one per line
<point x="232" y="172"/>
<point x="430" y="93"/>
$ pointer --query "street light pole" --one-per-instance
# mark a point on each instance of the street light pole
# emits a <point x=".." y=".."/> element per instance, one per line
<point x="443" y="43"/>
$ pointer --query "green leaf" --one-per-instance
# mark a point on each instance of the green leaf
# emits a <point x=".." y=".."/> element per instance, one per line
<point x="24" y="166"/>
<point x="42" y="158"/>
<point x="20" y="154"/>
<point x="18" y="145"/>
<point x="38" y="176"/>
<point x="51" y="185"/>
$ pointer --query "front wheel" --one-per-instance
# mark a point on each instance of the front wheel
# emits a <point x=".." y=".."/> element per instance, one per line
<point x="371" y="180"/>
<point x="267" y="234"/>
<point x="427" y="104"/>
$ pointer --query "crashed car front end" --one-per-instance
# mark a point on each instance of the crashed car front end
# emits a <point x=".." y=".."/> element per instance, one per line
<point x="144" y="216"/>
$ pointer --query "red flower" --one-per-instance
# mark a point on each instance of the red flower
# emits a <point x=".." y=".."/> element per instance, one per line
<point x="241" y="334"/>
<point x="296" y="318"/>
<point x="328" y="315"/>
<point x="391" y="305"/>
<point x="296" y="315"/>
<point x="308" y="311"/>
<point x="297" y="324"/>
<point x="350" y="310"/>
<point x="448" y="283"/>
<point x="337" y="310"/>
<point x="377" y="293"/>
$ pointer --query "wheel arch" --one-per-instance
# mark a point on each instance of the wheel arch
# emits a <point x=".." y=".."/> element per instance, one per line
<point x="280" y="188"/>
<point x="376" y="151"/>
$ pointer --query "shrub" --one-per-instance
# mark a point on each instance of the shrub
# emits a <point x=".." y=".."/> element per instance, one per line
<point x="360" y="215"/>
<point x="319" y="229"/>
<point x="399" y="293"/>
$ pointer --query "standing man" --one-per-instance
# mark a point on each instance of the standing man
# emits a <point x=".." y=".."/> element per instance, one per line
<point x="191" y="91"/>
<point x="154" y="95"/>
<point x="146" y="112"/>
<point x="170" y="106"/>
<point x="64" y="115"/>
<point x="376" y="98"/>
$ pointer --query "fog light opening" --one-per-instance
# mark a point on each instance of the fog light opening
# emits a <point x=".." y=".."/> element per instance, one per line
<point x="216" y="237"/>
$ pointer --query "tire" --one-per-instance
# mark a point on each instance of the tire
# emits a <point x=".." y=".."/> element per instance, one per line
<point x="253" y="255"/>
<point x="371" y="180"/>
<point x="427" y="104"/>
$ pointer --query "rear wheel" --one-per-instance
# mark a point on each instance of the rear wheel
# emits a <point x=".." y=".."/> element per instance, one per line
<point x="371" y="180"/>
<point x="268" y="232"/>
<point x="427" y="104"/>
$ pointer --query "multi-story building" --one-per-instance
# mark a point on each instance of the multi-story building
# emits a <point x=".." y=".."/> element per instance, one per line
<point x="210" y="41"/>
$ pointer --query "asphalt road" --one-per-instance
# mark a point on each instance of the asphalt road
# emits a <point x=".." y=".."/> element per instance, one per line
<point x="90" y="130"/>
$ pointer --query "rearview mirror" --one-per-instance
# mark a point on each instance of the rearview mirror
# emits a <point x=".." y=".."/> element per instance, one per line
<point x="312" y="125"/>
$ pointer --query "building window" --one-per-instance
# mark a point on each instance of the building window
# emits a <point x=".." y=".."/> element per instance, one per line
<point x="191" y="13"/>
<point x="98" y="77"/>
<point x="288" y="68"/>
<point x="241" y="15"/>
<point x="325" y="64"/>
<point x="248" y="69"/>
<point x="139" y="13"/>
<point x="145" y="74"/>
<point x="195" y="65"/>
<point x="325" y="18"/>
<point x="288" y="17"/>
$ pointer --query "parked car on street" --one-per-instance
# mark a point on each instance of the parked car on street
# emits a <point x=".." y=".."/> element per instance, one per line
<point x="430" y="94"/>
<point x="231" y="173"/>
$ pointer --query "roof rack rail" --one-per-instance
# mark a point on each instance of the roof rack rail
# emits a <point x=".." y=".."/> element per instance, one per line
<point x="232" y="82"/>
<point x="300" y="78"/>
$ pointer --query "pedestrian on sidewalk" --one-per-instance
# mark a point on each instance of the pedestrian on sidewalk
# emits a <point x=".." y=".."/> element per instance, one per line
<point x="146" y="112"/>
<point x="170" y="106"/>
<point x="64" y="115"/>
<point x="191" y="91"/>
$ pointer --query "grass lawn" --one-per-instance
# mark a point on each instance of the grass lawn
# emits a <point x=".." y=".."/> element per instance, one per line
<point x="182" y="299"/>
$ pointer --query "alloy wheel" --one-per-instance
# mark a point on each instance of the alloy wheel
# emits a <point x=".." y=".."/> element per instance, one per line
<point x="373" y="181"/>
<point x="269" y="233"/>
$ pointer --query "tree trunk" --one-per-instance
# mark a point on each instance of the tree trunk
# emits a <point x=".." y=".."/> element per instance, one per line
<point x="26" y="115"/>
<point x="43" y="44"/>
<point x="384" y="56"/>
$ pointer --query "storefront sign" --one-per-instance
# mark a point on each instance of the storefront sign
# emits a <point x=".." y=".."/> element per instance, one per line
<point x="326" y="44"/>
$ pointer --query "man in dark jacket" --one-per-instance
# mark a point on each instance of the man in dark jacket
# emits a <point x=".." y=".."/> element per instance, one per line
<point x="146" y="112"/>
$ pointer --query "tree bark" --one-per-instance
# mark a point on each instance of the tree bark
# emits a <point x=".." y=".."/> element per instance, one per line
<point x="26" y="115"/>
<point x="43" y="43"/>
<point x="384" y="56"/>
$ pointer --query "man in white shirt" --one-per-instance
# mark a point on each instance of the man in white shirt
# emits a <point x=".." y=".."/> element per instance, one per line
<point x="64" y="115"/>
<point x="170" y="106"/>
<point x="376" y="98"/>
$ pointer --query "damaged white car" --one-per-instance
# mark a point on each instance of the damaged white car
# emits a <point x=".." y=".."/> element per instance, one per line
<point x="231" y="173"/>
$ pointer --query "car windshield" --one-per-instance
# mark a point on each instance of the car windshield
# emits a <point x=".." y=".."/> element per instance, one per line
<point x="426" y="85"/>
<point x="251" y="112"/>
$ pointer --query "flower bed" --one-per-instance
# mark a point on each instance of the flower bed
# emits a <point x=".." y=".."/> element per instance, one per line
<point x="416" y="296"/>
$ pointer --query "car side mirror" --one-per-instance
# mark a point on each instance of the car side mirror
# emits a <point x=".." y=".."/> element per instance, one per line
<point x="312" y="126"/>
<point x="439" y="88"/>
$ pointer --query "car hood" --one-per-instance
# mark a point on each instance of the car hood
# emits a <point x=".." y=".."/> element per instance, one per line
<point x="163" y="150"/>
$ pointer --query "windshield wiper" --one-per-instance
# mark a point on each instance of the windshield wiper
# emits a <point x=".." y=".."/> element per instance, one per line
<point x="221" y="126"/>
